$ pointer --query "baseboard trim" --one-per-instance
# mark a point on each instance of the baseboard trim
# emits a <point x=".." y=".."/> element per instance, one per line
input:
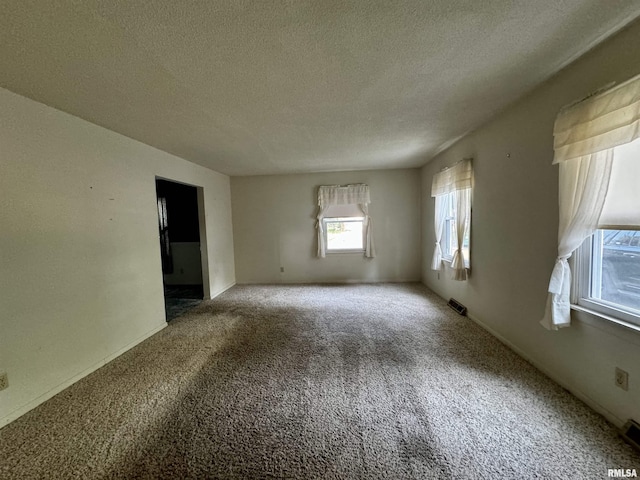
<point x="17" y="413"/>
<point x="574" y="391"/>
<point x="221" y="291"/>
<point x="329" y="282"/>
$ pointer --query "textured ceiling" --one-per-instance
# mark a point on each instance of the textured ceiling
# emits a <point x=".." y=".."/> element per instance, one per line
<point x="264" y="87"/>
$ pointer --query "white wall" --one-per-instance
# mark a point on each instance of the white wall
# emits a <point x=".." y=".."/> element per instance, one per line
<point x="274" y="226"/>
<point x="514" y="236"/>
<point x="80" y="271"/>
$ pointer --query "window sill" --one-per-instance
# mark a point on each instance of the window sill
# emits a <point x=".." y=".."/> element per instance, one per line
<point x="342" y="252"/>
<point x="607" y="323"/>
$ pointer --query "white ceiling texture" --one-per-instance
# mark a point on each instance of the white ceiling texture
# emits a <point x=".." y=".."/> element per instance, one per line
<point x="269" y="87"/>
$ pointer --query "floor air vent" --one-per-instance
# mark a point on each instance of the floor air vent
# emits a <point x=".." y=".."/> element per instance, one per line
<point x="457" y="306"/>
<point x="631" y="433"/>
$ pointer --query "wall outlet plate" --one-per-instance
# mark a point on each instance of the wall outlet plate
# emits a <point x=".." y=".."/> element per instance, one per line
<point x="622" y="379"/>
<point x="4" y="380"/>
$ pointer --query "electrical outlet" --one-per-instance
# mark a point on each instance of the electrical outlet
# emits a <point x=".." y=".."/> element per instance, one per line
<point x="622" y="379"/>
<point x="4" y="381"/>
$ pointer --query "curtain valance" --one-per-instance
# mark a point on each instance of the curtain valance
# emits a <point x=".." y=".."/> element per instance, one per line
<point x="603" y="121"/>
<point x="458" y="177"/>
<point x="343" y="195"/>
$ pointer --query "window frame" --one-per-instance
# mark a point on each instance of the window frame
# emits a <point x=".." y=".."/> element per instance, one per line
<point x="584" y="267"/>
<point x="348" y="219"/>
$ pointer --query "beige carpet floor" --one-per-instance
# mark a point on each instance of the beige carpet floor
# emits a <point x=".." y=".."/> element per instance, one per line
<point x="358" y="381"/>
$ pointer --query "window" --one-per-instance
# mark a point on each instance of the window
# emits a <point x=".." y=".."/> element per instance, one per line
<point x="608" y="279"/>
<point x="451" y="189"/>
<point x="343" y="223"/>
<point x="597" y="148"/>
<point x="344" y="234"/>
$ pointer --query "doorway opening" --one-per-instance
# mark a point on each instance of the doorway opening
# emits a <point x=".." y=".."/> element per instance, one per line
<point x="181" y="229"/>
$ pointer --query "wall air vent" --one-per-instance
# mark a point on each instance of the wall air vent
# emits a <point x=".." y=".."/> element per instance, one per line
<point x="631" y="433"/>
<point x="457" y="306"/>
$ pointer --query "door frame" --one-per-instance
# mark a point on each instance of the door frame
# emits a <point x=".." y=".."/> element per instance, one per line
<point x="202" y="226"/>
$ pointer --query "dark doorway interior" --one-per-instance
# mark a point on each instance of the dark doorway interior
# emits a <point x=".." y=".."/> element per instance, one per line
<point x="180" y="246"/>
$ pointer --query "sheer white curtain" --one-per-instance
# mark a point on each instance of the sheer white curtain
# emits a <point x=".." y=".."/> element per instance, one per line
<point x="369" y="248"/>
<point x="585" y="136"/>
<point x="336" y="198"/>
<point x="463" y="210"/>
<point x="438" y="224"/>
<point x="583" y="188"/>
<point x="322" y="246"/>
<point x="457" y="180"/>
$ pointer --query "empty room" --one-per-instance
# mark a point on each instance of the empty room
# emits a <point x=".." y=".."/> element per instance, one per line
<point x="319" y="239"/>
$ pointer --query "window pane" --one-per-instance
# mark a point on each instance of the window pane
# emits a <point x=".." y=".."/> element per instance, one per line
<point x="344" y="233"/>
<point x="465" y="246"/>
<point x="450" y="244"/>
<point x="616" y="268"/>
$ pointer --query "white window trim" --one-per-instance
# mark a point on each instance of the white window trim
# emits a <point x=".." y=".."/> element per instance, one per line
<point x="332" y="251"/>
<point x="581" y="300"/>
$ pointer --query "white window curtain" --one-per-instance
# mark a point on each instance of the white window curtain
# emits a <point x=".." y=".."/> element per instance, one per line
<point x="457" y="179"/>
<point x="438" y="224"/>
<point x="463" y="211"/>
<point x="585" y="136"/>
<point x="335" y="200"/>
